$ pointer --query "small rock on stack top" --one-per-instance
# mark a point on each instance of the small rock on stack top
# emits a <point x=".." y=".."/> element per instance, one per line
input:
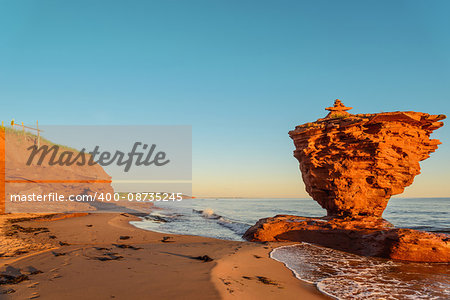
<point x="338" y="110"/>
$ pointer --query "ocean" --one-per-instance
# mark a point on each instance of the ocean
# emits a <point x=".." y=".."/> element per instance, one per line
<point x="338" y="274"/>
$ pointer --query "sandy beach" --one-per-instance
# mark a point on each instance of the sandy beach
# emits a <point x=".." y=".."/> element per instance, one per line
<point x="224" y="150"/>
<point x="102" y="256"/>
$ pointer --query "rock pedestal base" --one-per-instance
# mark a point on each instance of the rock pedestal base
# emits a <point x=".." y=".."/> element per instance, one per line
<point x="364" y="236"/>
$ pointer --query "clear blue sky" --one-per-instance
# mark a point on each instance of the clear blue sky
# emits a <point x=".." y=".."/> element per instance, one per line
<point x="243" y="73"/>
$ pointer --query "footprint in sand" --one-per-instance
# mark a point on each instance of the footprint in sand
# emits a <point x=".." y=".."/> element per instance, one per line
<point x="66" y="263"/>
<point x="7" y="291"/>
<point x="33" y="285"/>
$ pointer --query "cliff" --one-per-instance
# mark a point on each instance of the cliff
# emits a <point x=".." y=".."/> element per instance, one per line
<point x="43" y="179"/>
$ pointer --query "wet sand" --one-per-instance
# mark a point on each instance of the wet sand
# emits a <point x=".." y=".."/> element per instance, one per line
<point x="102" y="256"/>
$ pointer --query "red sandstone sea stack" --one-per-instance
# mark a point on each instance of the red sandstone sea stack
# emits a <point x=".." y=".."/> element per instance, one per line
<point x="351" y="165"/>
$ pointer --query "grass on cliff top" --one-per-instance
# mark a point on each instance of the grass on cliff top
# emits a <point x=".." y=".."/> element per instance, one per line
<point x="43" y="141"/>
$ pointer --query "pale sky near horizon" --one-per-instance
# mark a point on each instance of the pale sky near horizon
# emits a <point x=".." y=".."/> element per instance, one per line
<point x="242" y="73"/>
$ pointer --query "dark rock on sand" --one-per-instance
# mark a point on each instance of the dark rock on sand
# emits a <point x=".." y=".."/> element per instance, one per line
<point x="167" y="239"/>
<point x="12" y="275"/>
<point x="30" y="270"/>
<point x="125" y="246"/>
<point x="204" y="258"/>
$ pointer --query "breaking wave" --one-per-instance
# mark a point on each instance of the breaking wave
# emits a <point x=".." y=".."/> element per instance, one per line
<point x="237" y="227"/>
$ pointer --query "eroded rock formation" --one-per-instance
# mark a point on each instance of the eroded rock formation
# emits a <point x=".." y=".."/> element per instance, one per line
<point x="363" y="236"/>
<point x="352" y="165"/>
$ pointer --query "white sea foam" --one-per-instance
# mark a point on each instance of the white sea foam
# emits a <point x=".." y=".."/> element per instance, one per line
<point x="347" y="276"/>
<point x="209" y="213"/>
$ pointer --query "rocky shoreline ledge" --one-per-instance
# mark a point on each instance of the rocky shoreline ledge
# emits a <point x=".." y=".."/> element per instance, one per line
<point x="367" y="237"/>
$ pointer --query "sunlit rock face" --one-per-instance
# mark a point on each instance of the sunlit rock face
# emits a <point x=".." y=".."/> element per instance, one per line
<point x="353" y="164"/>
